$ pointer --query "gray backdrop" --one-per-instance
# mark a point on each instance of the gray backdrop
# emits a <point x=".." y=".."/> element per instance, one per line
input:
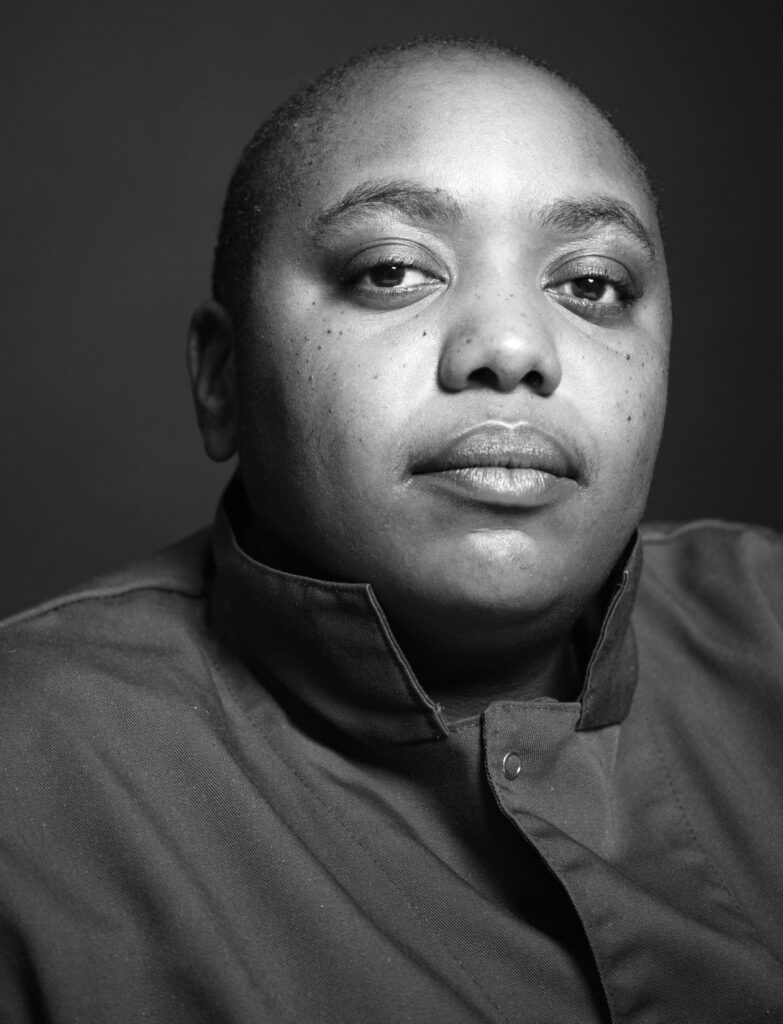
<point x="122" y="122"/>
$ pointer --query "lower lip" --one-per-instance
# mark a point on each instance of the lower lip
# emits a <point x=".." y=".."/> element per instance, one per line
<point x="496" y="485"/>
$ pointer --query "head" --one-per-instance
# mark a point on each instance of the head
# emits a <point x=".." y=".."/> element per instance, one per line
<point x="439" y="336"/>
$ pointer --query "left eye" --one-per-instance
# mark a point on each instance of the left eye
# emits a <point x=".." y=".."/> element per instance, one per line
<point x="594" y="289"/>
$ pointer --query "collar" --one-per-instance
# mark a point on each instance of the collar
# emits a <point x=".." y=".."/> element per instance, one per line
<point x="329" y="647"/>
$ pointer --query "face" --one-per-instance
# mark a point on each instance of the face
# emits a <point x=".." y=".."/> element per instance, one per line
<point x="455" y="379"/>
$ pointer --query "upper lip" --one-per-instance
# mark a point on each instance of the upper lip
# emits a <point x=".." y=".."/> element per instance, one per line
<point x="504" y="445"/>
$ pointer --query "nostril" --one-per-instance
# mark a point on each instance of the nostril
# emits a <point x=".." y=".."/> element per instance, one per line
<point x="534" y="380"/>
<point x="484" y="377"/>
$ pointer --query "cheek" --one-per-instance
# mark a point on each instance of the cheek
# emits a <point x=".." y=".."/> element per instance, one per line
<point x="633" y="428"/>
<point x="622" y="397"/>
<point x="324" y="409"/>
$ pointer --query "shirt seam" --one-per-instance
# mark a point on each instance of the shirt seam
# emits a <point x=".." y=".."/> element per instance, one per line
<point x="412" y="685"/>
<point x="59" y="604"/>
<point x="563" y="707"/>
<point x="653" y="535"/>
<point x="717" y="875"/>
<point x="457" y="727"/>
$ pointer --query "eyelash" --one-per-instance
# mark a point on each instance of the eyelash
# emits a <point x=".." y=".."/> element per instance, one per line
<point x="349" y="281"/>
<point x="603" y="271"/>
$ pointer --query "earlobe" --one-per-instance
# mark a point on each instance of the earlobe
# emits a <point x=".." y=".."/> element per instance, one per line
<point x="211" y="363"/>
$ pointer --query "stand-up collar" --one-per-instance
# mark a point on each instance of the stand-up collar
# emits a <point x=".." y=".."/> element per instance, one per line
<point x="329" y="646"/>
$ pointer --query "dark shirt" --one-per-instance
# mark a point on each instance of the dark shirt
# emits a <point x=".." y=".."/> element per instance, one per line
<point x="225" y="798"/>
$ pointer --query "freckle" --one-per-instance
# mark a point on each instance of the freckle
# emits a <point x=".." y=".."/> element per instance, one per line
<point x="319" y="348"/>
<point x="424" y="334"/>
<point x="628" y="357"/>
<point x="627" y="419"/>
<point x="375" y="376"/>
<point x="328" y="330"/>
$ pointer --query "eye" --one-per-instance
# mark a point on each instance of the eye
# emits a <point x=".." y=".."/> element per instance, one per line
<point x="595" y="288"/>
<point x="392" y="275"/>
<point x="382" y="279"/>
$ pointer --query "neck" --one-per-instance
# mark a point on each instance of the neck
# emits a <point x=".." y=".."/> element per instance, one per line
<point x="465" y="675"/>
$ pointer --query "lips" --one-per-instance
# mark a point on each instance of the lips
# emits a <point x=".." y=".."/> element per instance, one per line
<point x="503" y="464"/>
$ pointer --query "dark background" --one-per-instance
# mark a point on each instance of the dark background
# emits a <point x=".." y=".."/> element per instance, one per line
<point x="122" y="125"/>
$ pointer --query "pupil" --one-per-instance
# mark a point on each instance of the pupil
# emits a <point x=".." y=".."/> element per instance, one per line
<point x="388" y="275"/>
<point x="589" y="287"/>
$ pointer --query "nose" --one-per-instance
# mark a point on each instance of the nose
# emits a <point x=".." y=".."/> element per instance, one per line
<point x="500" y="355"/>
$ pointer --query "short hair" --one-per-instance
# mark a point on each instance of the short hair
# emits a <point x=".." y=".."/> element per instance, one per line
<point x="267" y="166"/>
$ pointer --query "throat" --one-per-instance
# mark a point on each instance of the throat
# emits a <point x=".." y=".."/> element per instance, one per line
<point x="464" y="688"/>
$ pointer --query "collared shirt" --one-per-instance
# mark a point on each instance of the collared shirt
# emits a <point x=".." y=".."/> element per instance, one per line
<point x="225" y="798"/>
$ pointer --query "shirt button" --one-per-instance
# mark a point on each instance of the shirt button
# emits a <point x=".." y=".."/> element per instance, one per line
<point x="512" y="765"/>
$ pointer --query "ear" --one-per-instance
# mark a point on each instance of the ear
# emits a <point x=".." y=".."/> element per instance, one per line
<point x="212" y="367"/>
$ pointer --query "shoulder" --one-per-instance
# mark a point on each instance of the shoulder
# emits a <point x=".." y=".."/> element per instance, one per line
<point x="714" y="585"/>
<point x="712" y="555"/>
<point x="119" y="602"/>
<point x="180" y="569"/>
<point x="707" y="535"/>
<point x="139" y="630"/>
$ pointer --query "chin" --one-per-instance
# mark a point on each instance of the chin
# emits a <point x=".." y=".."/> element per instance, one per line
<point x="501" y="572"/>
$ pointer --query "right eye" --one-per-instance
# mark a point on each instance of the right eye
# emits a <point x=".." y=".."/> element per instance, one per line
<point x="392" y="275"/>
<point x="388" y="280"/>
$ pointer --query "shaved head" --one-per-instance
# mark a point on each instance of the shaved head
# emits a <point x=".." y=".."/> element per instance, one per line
<point x="296" y="138"/>
<point x="427" y="242"/>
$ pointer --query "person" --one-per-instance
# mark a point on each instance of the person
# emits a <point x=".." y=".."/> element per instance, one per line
<point x="425" y="728"/>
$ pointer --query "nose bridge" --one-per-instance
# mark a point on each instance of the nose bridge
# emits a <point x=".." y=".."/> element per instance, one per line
<point x="500" y="339"/>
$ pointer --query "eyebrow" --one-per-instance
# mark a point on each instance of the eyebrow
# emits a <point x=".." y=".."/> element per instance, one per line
<point x="417" y="202"/>
<point x="393" y="195"/>
<point x="581" y="213"/>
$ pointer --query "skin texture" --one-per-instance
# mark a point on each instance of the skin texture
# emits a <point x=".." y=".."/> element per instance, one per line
<point x="344" y="389"/>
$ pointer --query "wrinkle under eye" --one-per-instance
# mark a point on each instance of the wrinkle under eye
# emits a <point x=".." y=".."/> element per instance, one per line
<point x="391" y="283"/>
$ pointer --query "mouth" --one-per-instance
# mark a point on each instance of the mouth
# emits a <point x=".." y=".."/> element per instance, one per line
<point x="503" y="464"/>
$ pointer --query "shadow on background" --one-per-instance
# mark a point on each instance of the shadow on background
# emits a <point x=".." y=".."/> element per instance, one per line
<point x="123" y="128"/>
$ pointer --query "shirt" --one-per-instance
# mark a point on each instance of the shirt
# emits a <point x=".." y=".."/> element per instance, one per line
<point x="225" y="798"/>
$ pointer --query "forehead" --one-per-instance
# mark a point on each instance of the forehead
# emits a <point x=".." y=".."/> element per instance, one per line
<point x="487" y="131"/>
